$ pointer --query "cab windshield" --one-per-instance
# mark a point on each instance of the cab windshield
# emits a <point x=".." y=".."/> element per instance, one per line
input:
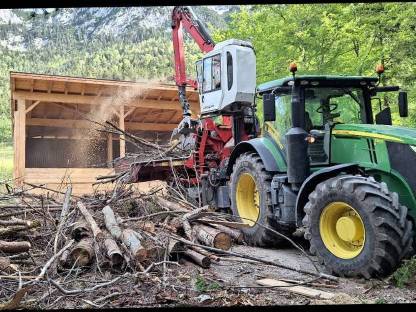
<point x="322" y="106"/>
<point x="333" y="105"/>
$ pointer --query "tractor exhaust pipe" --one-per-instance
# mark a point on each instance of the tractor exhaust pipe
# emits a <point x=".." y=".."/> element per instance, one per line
<point x="296" y="143"/>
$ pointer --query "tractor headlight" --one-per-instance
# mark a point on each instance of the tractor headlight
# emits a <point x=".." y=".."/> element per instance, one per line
<point x="413" y="147"/>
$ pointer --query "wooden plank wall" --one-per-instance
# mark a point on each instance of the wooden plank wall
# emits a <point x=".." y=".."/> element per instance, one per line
<point x="80" y="178"/>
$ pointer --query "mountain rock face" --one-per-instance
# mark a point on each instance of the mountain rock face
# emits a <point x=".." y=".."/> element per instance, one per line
<point x="22" y="29"/>
<point x="131" y="43"/>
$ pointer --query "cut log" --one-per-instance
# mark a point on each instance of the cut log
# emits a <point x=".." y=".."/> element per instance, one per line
<point x="301" y="290"/>
<point x="111" y="223"/>
<point x="114" y="253"/>
<point x="64" y="212"/>
<point x="83" y="252"/>
<point x="195" y="214"/>
<point x="235" y="234"/>
<point x="80" y="230"/>
<point x="15" y="221"/>
<point x="234" y="225"/>
<point x="199" y="259"/>
<point x="14" y="247"/>
<point x="205" y="253"/>
<point x="18" y="228"/>
<point x="131" y="240"/>
<point x="189" y="233"/>
<point x="212" y="237"/>
<point x="90" y="220"/>
<point x="168" y="205"/>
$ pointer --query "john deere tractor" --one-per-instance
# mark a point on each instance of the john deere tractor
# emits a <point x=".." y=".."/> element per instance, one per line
<point x="326" y="168"/>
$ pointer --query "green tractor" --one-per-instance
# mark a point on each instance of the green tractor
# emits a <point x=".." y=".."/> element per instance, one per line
<point x="325" y="168"/>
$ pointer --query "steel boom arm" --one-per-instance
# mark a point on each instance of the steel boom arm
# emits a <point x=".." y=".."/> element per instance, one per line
<point x="183" y="17"/>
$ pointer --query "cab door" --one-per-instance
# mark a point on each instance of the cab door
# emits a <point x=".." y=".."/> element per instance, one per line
<point x="211" y="90"/>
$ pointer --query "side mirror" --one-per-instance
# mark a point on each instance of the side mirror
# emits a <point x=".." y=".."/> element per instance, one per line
<point x="403" y="105"/>
<point x="269" y="108"/>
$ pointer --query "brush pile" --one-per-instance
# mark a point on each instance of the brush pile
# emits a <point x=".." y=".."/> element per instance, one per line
<point x="56" y="241"/>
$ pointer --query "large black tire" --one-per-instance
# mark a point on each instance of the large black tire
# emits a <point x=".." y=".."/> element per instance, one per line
<point x="388" y="231"/>
<point x="256" y="235"/>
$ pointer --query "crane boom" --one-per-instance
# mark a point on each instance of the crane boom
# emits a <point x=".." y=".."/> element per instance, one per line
<point x="184" y="18"/>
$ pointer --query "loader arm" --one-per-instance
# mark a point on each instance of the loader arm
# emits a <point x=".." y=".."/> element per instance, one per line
<point x="184" y="18"/>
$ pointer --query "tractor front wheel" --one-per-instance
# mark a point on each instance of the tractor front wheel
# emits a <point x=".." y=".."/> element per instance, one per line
<point x="356" y="227"/>
<point x="251" y="200"/>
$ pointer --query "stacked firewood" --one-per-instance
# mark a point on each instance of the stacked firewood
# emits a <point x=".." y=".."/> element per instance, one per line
<point x="135" y="242"/>
<point x="13" y="245"/>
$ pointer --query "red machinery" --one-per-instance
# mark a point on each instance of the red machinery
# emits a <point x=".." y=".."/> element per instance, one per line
<point x="213" y="136"/>
<point x="215" y="130"/>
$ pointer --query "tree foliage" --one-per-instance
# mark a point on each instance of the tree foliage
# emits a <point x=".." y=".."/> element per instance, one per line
<point x="333" y="38"/>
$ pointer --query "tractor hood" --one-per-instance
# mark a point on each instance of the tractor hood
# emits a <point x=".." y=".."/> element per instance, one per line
<point x="383" y="132"/>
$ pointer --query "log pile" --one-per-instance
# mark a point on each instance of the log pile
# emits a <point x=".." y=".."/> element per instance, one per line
<point x="58" y="244"/>
<point x="58" y="234"/>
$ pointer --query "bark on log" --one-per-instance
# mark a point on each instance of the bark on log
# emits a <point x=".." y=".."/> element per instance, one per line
<point x="83" y="252"/>
<point x="168" y="205"/>
<point x="130" y="239"/>
<point x="14" y="247"/>
<point x="80" y="230"/>
<point x="64" y="212"/>
<point x="205" y="253"/>
<point x="18" y="228"/>
<point x="235" y="234"/>
<point x="199" y="259"/>
<point x="111" y="223"/>
<point x="195" y="214"/>
<point x="114" y="253"/>
<point x="212" y="237"/>
<point x="91" y="222"/>
<point x="15" y="221"/>
<point x="189" y="233"/>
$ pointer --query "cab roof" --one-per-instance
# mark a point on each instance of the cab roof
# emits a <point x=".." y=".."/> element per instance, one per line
<point x="323" y="80"/>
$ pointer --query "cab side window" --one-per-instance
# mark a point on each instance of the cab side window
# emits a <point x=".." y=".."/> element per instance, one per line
<point x="211" y="74"/>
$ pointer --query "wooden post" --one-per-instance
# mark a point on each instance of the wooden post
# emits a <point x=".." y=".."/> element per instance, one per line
<point x="109" y="149"/>
<point x="122" y="137"/>
<point x="19" y="140"/>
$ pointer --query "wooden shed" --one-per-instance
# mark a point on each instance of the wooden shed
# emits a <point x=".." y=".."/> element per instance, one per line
<point x="55" y="138"/>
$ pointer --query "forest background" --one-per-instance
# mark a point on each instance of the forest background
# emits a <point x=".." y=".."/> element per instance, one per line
<point x="135" y="43"/>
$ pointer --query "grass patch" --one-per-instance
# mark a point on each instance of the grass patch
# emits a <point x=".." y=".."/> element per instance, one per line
<point x="406" y="274"/>
<point x="6" y="161"/>
<point x="202" y="285"/>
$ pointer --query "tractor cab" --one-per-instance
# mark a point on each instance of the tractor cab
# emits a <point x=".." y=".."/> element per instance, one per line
<point x="322" y="103"/>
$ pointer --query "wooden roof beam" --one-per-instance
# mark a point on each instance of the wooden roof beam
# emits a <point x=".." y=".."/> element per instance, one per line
<point x="31" y="107"/>
<point x="85" y="124"/>
<point x="93" y="100"/>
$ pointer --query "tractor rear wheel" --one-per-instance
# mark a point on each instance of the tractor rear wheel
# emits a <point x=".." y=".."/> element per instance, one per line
<point x="251" y="200"/>
<point x="356" y="227"/>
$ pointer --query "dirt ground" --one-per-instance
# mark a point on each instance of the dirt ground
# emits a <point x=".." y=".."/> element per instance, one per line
<point x="231" y="282"/>
<point x="348" y="290"/>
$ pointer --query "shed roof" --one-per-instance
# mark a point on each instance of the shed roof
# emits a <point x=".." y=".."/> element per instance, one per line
<point x="147" y="102"/>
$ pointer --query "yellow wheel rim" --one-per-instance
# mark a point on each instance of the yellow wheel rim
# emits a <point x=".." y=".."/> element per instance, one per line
<point x="247" y="199"/>
<point x="342" y="230"/>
